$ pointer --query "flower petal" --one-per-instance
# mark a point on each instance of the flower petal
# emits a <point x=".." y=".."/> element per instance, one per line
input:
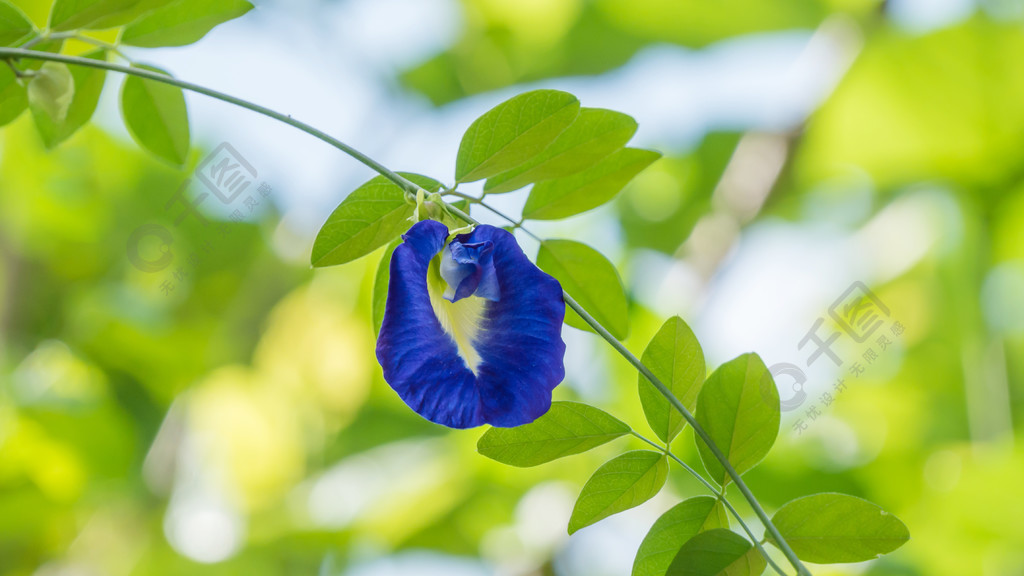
<point x="468" y="268"/>
<point x="516" y="352"/>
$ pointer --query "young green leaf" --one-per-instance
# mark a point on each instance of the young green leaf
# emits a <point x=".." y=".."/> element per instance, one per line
<point x="380" y="286"/>
<point x="831" y="528"/>
<point x="675" y="357"/>
<point x="182" y="22"/>
<point x="568" y="428"/>
<point x="739" y="408"/>
<point x="87" y="84"/>
<point x="14" y="25"/>
<point x="513" y="132"/>
<point x="595" y="134"/>
<point x="13" y="96"/>
<point x="156" y="117"/>
<point x="716" y="552"/>
<point x="673" y="529"/>
<point x="555" y="199"/>
<point x="589" y="278"/>
<point x="624" y="482"/>
<point x="92" y="14"/>
<point x="49" y="97"/>
<point x="371" y="216"/>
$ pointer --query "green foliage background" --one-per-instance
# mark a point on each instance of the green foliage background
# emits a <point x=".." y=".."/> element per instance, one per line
<point x="255" y="379"/>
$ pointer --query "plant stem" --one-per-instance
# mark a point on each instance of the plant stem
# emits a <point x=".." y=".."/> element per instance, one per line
<point x="18" y="53"/>
<point x="697" y="428"/>
<point x="720" y="496"/>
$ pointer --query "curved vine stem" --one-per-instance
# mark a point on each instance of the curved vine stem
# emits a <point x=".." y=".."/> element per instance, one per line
<point x="19" y="53"/>
<point x="697" y="428"/>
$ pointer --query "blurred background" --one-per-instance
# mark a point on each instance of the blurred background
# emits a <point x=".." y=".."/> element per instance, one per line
<point x="225" y="414"/>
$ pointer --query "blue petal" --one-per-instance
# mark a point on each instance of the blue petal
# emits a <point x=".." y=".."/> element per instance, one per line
<point x="516" y="356"/>
<point x="468" y="268"/>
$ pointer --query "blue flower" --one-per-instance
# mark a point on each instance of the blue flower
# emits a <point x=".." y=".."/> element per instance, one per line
<point x="472" y="328"/>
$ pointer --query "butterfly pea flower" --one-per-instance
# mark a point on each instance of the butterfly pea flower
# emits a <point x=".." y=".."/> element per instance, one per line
<point x="472" y="329"/>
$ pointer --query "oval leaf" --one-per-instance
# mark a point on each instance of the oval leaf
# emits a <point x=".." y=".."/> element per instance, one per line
<point x="675" y="357"/>
<point x="568" y="428"/>
<point x="49" y="97"/>
<point x="673" y="529"/>
<point x="13" y="96"/>
<point x="716" y="552"/>
<point x="738" y="406"/>
<point x="182" y="22"/>
<point x="156" y="117"/>
<point x="589" y="278"/>
<point x="624" y="482"/>
<point x="371" y="216"/>
<point x="554" y="199"/>
<point x="88" y="84"/>
<point x="14" y="25"/>
<point x="380" y="286"/>
<point x="750" y="564"/>
<point x="595" y="134"/>
<point x="832" y="528"/>
<point x="513" y="132"/>
<point x="93" y="14"/>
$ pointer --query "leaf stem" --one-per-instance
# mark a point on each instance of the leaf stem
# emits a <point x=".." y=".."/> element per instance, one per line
<point x="720" y="496"/>
<point x="19" y="53"/>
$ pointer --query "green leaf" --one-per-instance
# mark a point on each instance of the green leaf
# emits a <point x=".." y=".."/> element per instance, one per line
<point x="750" y="564"/>
<point x="87" y="86"/>
<point x="739" y="408"/>
<point x="49" y="97"/>
<point x="141" y="8"/>
<point x="716" y="552"/>
<point x="380" y="286"/>
<point x="182" y="22"/>
<point x="13" y="96"/>
<point x="555" y="199"/>
<point x="589" y="278"/>
<point x="624" y="482"/>
<point x="675" y="357"/>
<point x="831" y="528"/>
<point x="567" y="428"/>
<point x="14" y="25"/>
<point x="93" y="14"/>
<point x="156" y="117"/>
<point x="673" y="529"/>
<point x="595" y="134"/>
<point x="371" y="216"/>
<point x="513" y="132"/>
